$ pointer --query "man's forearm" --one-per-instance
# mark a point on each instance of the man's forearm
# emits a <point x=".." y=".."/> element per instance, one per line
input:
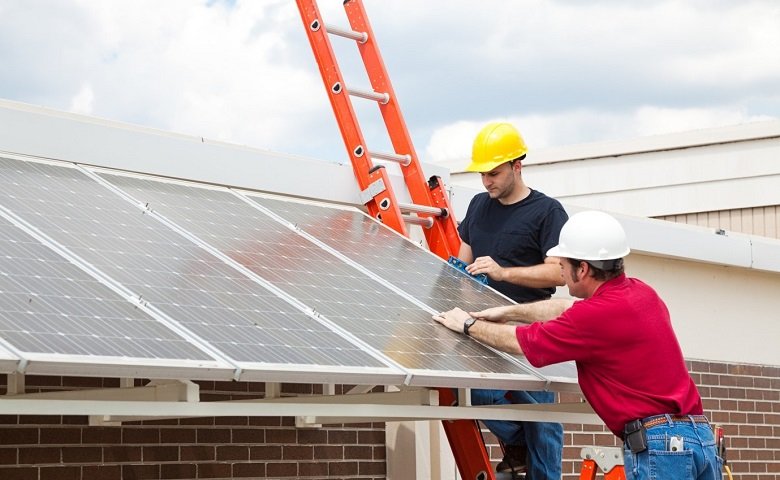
<point x="501" y="337"/>
<point x="544" y="275"/>
<point x="527" y="312"/>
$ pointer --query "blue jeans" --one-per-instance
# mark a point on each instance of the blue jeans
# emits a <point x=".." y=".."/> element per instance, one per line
<point x="543" y="440"/>
<point x="697" y="460"/>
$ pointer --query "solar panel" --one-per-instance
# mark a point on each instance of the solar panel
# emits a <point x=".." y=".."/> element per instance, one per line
<point x="417" y="272"/>
<point x="345" y="296"/>
<point x="181" y="281"/>
<point x="50" y="308"/>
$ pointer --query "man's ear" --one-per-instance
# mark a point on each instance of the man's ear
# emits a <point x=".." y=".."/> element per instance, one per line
<point x="585" y="268"/>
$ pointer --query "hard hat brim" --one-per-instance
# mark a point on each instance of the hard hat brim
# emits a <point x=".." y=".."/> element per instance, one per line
<point x="557" y="251"/>
<point x="481" y="167"/>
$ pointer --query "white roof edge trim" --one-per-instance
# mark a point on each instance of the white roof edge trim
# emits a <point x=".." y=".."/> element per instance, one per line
<point x="700" y="244"/>
<point x="766" y="254"/>
<point x="662" y="238"/>
<point x="41" y="132"/>
<point x="760" y="130"/>
<point x="746" y="132"/>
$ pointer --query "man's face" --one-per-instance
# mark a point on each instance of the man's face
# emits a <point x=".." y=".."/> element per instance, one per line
<point x="501" y="181"/>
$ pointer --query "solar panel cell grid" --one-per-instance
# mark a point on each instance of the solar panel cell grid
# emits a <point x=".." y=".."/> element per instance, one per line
<point x="415" y="271"/>
<point x="337" y="294"/>
<point x="48" y="305"/>
<point x="342" y="294"/>
<point x="198" y="290"/>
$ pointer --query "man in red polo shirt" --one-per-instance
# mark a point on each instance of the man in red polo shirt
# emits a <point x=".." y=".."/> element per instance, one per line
<point x="629" y="363"/>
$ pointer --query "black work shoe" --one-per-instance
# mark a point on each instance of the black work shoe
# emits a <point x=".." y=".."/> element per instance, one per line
<point x="514" y="459"/>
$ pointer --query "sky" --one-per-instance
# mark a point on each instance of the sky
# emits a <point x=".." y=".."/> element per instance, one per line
<point x="563" y="71"/>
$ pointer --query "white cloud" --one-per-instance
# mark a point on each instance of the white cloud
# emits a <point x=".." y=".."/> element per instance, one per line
<point x="564" y="71"/>
<point x="82" y="102"/>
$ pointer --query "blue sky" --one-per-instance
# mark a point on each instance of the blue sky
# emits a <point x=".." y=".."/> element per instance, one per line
<point x="565" y="72"/>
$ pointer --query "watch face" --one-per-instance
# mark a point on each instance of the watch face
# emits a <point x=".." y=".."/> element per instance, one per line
<point x="468" y="323"/>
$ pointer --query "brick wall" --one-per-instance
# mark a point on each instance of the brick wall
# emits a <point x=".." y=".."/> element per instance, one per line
<point x="744" y="399"/>
<point x="66" y="447"/>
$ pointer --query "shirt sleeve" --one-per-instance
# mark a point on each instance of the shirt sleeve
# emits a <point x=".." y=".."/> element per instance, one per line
<point x="563" y="339"/>
<point x="551" y="227"/>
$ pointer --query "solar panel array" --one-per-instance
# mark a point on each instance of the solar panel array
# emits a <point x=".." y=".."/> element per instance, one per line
<point x="118" y="271"/>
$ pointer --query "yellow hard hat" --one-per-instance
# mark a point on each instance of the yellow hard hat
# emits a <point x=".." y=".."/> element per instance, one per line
<point x="496" y="143"/>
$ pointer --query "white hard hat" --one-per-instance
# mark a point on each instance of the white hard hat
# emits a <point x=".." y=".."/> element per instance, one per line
<point x="591" y="235"/>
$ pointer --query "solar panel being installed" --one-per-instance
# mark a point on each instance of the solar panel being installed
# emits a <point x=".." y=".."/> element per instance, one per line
<point x="48" y="306"/>
<point x="355" y="302"/>
<point x="224" y="308"/>
<point x="344" y="300"/>
<point x="415" y="271"/>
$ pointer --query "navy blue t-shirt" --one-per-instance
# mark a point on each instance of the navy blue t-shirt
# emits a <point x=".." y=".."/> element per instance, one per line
<point x="516" y="235"/>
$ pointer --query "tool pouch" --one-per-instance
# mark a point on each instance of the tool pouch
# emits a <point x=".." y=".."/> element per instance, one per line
<point x="635" y="436"/>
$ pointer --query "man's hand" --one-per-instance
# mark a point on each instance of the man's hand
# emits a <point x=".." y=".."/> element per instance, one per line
<point x="501" y="337"/>
<point x="488" y="266"/>
<point x="454" y="319"/>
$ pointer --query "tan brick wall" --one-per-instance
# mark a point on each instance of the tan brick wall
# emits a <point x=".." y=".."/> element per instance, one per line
<point x="744" y="399"/>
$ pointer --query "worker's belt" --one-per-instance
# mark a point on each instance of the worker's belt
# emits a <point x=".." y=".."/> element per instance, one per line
<point x="635" y="431"/>
<point x="660" y="419"/>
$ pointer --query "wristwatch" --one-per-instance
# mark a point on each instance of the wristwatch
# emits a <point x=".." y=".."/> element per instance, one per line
<point x="467" y="324"/>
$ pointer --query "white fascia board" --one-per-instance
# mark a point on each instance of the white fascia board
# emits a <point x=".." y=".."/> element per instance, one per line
<point x="655" y="237"/>
<point x="684" y="199"/>
<point x="769" y="129"/>
<point x="674" y="240"/>
<point x="710" y="178"/>
<point x="766" y="254"/>
<point x="659" y="143"/>
<point x="46" y="133"/>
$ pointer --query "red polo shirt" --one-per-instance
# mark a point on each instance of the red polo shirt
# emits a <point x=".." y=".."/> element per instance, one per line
<point x="629" y="363"/>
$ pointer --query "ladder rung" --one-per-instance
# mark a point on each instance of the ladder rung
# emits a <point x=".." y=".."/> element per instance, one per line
<point x="382" y="98"/>
<point x="360" y="37"/>
<point x="410" y="207"/>
<point x="404" y="160"/>
<point x="426" y="222"/>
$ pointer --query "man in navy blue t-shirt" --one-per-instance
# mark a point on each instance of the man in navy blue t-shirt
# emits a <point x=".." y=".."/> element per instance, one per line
<point x="505" y="233"/>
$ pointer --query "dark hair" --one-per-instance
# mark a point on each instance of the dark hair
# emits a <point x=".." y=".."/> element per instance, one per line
<point x="601" y="269"/>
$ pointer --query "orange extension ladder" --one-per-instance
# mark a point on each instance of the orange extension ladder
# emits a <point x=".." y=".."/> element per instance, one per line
<point x="430" y="202"/>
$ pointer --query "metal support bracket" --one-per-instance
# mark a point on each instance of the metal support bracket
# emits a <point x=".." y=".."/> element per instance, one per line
<point x="374" y="189"/>
<point x="606" y="458"/>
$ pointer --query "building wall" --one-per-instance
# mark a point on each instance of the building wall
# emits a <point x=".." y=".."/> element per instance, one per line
<point x="66" y="447"/>
<point x="744" y="399"/>
<point x="763" y="221"/>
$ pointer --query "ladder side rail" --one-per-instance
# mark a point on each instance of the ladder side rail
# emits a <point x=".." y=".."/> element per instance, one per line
<point x="588" y="470"/>
<point x="464" y="435"/>
<point x="442" y="237"/>
<point x="373" y="182"/>
<point x="466" y="442"/>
